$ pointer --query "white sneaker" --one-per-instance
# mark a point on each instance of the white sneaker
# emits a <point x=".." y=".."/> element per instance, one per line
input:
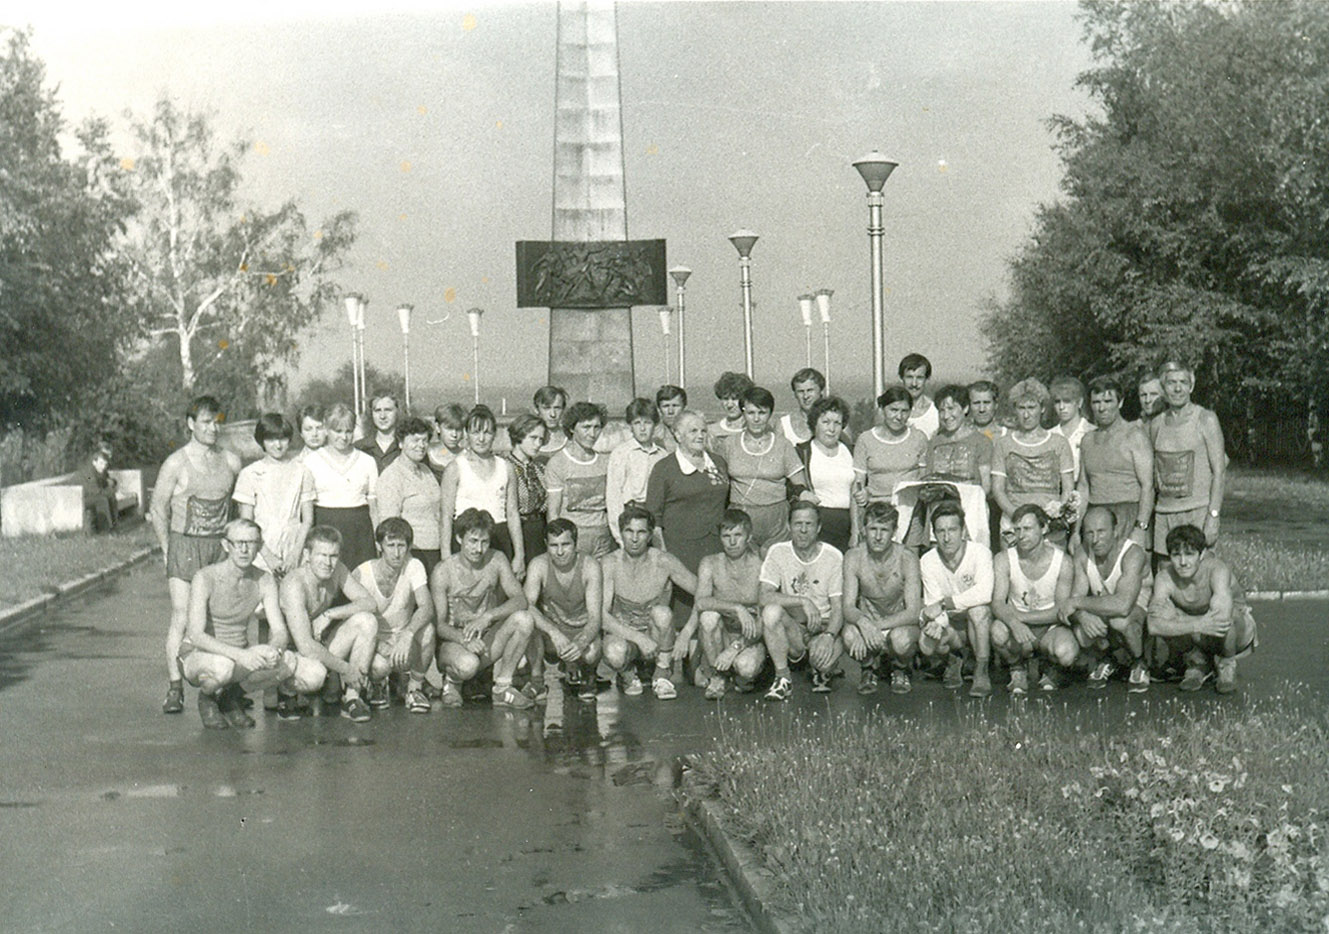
<point x="1139" y="680"/>
<point x="630" y="683"/>
<point x="664" y="689"/>
<point x="1098" y="678"/>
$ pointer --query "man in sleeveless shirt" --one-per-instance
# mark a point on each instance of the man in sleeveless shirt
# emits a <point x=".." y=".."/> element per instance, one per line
<point x="1109" y="596"/>
<point x="882" y="598"/>
<point x="1117" y="464"/>
<point x="957" y="597"/>
<point x="1189" y="461"/>
<point x="480" y="614"/>
<point x="1029" y="581"/>
<point x="809" y="387"/>
<point x="639" y="582"/>
<point x="563" y="592"/>
<point x="190" y="506"/>
<point x="1200" y="613"/>
<point x="728" y="585"/>
<point x="340" y="639"/>
<point x="216" y="657"/>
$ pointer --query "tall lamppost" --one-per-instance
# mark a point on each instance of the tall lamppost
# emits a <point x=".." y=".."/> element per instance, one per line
<point x="404" y="319"/>
<point x="743" y="241"/>
<point x="473" y="316"/>
<point x="680" y="275"/>
<point x="824" y="309"/>
<point x="360" y="315"/>
<point x="665" y="313"/>
<point x="875" y="169"/>
<point x="805" y="303"/>
<point x="353" y="316"/>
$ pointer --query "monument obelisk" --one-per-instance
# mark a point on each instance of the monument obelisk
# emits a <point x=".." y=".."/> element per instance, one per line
<point x="590" y="352"/>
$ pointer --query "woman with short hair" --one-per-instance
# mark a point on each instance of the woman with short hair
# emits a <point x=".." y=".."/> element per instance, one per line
<point x="346" y="488"/>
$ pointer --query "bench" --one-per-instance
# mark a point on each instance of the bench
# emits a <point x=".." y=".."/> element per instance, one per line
<point x="55" y="504"/>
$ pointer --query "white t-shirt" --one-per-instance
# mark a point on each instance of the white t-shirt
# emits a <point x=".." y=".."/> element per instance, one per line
<point x="929" y="421"/>
<point x="394" y="609"/>
<point x="1073" y="438"/>
<point x="344" y="484"/>
<point x="794" y="426"/>
<point x="820" y="579"/>
<point x="276" y="490"/>
<point x="969" y="585"/>
<point x="832" y="477"/>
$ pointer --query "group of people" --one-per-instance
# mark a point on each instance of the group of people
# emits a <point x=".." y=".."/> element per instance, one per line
<point x="419" y="562"/>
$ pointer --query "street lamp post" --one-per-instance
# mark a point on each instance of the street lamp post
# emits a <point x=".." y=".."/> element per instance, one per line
<point x="875" y="169"/>
<point x="805" y="303"/>
<point x="353" y="316"/>
<point x="473" y="316"/>
<point x="680" y="275"/>
<point x="824" y="309"/>
<point x="360" y="315"/>
<point x="665" y="313"/>
<point x="743" y="241"/>
<point x="404" y="319"/>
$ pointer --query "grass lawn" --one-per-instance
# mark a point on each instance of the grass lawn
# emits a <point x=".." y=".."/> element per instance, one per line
<point x="35" y="565"/>
<point x="1204" y="820"/>
<point x="1275" y="529"/>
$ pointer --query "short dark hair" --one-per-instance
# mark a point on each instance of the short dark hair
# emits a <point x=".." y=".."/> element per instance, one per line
<point x="548" y="395"/>
<point x="450" y="414"/>
<point x="317" y="412"/>
<point x="892" y="395"/>
<point x="947" y="507"/>
<point x="1031" y="509"/>
<point x="561" y="526"/>
<point x="632" y="511"/>
<point x="327" y="534"/>
<point x="804" y="505"/>
<point x="670" y="391"/>
<point x="582" y="412"/>
<point x="881" y="511"/>
<point x="956" y="392"/>
<point x="272" y="426"/>
<point x="759" y="396"/>
<point x="734" y="519"/>
<point x="1185" y="538"/>
<point x="394" y="527"/>
<point x="984" y="385"/>
<point x="472" y="520"/>
<point x="731" y="385"/>
<point x="824" y="405"/>
<point x="1105" y="383"/>
<point x="522" y="426"/>
<point x="201" y="404"/>
<point x="481" y="416"/>
<point x="415" y="425"/>
<point x="912" y="361"/>
<point x="384" y="394"/>
<point x="808" y="373"/>
<point x="643" y="408"/>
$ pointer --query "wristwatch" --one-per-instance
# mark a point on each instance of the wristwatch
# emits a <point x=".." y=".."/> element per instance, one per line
<point x="1142" y="525"/>
<point x="1213" y="514"/>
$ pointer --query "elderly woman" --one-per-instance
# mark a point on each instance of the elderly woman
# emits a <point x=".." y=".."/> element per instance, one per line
<point x="407" y="489"/>
<point x="528" y="435"/>
<point x="479" y="479"/>
<point x="830" y="469"/>
<point x="688" y="493"/>
<point x="346" y="488"/>
<point x="760" y="462"/>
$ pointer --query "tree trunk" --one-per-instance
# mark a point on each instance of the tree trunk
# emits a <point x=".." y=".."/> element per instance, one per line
<point x="186" y="362"/>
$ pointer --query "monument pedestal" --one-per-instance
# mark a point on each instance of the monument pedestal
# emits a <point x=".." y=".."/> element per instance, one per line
<point x="590" y="355"/>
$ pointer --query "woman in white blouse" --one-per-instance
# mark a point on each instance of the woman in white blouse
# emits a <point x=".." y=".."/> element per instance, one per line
<point x="346" y="484"/>
<point x="478" y="479"/>
<point x="829" y="464"/>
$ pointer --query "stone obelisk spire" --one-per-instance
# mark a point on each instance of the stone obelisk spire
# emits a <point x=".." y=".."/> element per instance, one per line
<point x="590" y="352"/>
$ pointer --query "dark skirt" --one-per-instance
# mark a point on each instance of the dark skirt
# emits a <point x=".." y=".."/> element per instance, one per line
<point x="533" y="534"/>
<point x="835" y="526"/>
<point x="357" y="532"/>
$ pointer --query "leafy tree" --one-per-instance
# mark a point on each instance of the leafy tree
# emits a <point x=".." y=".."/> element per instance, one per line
<point x="1194" y="209"/>
<point x="61" y="300"/>
<point x="226" y="284"/>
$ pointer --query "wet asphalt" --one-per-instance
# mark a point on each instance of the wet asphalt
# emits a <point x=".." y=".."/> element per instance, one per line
<point x="115" y="817"/>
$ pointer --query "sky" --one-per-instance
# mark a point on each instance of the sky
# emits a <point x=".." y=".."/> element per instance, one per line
<point x="435" y="124"/>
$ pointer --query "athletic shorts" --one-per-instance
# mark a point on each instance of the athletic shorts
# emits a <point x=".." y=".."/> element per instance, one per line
<point x="186" y="555"/>
<point x="1126" y="514"/>
<point x="633" y="615"/>
<point x="770" y="523"/>
<point x="1165" y="522"/>
<point x="594" y="542"/>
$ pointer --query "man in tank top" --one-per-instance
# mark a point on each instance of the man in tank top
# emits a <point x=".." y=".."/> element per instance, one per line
<point x="1189" y="461"/>
<point x="882" y="598"/>
<point x="190" y="505"/>
<point x="564" y="591"/>
<point x="1117" y="464"/>
<point x="216" y="657"/>
<point x="1029" y="581"/>
<point x="728" y="586"/>
<point x="1109" y="596"/>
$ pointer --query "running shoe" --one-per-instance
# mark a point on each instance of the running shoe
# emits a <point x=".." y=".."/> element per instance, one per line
<point x="1227" y="675"/>
<point x="1019" y="686"/>
<point x="1098" y="678"/>
<point x="450" y="696"/>
<point x="536" y="690"/>
<point x="900" y="682"/>
<point x="982" y="684"/>
<point x="781" y="690"/>
<point x="231" y="700"/>
<point x="175" y="698"/>
<point x="355" y="710"/>
<point x="1047" y="684"/>
<point x="954" y="676"/>
<point x="288" y="707"/>
<point x="1139" y="680"/>
<point x="821" y="682"/>
<point x="630" y="682"/>
<point x="867" y="682"/>
<point x="715" y="688"/>
<point x="510" y="697"/>
<point x="379" y="698"/>
<point x="1194" y="679"/>
<point x="664" y="688"/>
<point x="210" y="713"/>
<point x="416" y="702"/>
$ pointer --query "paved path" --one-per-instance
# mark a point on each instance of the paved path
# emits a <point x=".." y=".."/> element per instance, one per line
<point x="114" y="816"/>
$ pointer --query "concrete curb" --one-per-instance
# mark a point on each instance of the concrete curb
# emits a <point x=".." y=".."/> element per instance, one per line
<point x="16" y="618"/>
<point x="753" y="882"/>
<point x="1288" y="595"/>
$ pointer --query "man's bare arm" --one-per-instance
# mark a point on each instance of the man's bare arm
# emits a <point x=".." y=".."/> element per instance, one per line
<point x="301" y="628"/>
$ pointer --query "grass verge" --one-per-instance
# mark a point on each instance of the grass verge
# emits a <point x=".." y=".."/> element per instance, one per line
<point x="1209" y="820"/>
<point x="36" y="565"/>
